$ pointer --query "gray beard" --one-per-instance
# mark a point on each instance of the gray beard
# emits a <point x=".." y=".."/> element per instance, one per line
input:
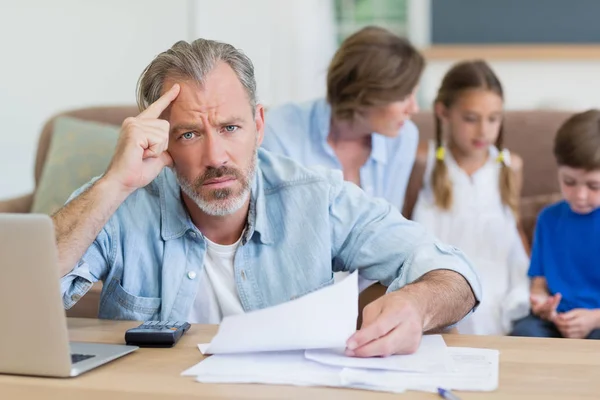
<point x="223" y="201"/>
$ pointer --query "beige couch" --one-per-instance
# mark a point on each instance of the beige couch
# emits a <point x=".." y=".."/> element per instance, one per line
<point x="88" y="305"/>
<point x="528" y="133"/>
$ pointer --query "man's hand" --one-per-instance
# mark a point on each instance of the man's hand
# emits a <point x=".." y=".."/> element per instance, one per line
<point x="392" y="324"/>
<point x="141" y="153"/>
<point x="544" y="306"/>
<point x="577" y="323"/>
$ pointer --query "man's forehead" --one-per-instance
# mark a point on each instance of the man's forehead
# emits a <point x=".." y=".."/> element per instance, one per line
<point x="221" y="78"/>
<point x="194" y="98"/>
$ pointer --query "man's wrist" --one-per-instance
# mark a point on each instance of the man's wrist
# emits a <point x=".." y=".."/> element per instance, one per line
<point x="441" y="297"/>
<point x="416" y="294"/>
<point x="115" y="189"/>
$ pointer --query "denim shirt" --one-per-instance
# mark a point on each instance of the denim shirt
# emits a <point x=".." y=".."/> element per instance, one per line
<point x="303" y="225"/>
<point x="300" y="132"/>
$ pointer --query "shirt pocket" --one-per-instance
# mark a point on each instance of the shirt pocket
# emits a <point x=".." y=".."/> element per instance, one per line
<point x="118" y="303"/>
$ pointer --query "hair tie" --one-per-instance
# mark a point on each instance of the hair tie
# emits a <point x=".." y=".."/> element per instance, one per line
<point x="504" y="157"/>
<point x="440" y="153"/>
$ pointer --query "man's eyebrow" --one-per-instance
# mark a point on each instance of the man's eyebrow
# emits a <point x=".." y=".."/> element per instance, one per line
<point x="186" y="127"/>
<point x="193" y="126"/>
<point x="231" y="121"/>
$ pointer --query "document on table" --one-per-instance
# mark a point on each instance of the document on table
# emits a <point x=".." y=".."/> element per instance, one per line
<point x="274" y="368"/>
<point x="474" y="370"/>
<point x="431" y="356"/>
<point x="325" y="318"/>
<point x="268" y="367"/>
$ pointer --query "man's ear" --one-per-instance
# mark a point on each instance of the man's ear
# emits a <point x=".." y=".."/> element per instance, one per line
<point x="441" y="111"/>
<point x="259" y="120"/>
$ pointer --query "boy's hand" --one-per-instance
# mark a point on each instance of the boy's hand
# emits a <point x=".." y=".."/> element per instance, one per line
<point x="544" y="306"/>
<point x="577" y="323"/>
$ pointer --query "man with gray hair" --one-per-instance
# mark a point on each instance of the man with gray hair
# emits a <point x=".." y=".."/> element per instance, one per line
<point x="192" y="221"/>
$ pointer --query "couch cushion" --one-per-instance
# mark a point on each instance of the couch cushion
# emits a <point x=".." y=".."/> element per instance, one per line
<point x="531" y="206"/>
<point x="79" y="151"/>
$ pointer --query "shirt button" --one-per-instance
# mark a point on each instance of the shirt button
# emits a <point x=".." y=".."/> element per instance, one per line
<point x="191" y="275"/>
<point x="193" y="234"/>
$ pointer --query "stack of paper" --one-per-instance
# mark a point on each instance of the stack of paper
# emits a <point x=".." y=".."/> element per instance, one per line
<point x="302" y="343"/>
<point x="322" y="319"/>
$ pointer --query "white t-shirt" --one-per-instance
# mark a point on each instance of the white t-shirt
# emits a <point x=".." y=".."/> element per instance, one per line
<point x="217" y="295"/>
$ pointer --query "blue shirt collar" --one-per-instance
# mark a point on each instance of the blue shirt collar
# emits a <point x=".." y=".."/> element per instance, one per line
<point x="323" y="121"/>
<point x="257" y="214"/>
<point x="175" y="220"/>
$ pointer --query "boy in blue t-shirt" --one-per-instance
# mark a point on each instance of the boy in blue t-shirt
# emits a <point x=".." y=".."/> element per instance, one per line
<point x="565" y="260"/>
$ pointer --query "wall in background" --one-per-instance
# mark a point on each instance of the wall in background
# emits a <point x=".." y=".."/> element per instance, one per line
<point x="514" y="21"/>
<point x="64" y="54"/>
<point x="565" y="83"/>
<point x="290" y="42"/>
<point x="67" y="54"/>
<point x="556" y="84"/>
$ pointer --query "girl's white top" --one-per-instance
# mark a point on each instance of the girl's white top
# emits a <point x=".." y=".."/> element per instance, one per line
<point x="486" y="231"/>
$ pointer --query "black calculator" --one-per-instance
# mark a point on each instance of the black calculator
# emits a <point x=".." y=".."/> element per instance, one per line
<point x="156" y="333"/>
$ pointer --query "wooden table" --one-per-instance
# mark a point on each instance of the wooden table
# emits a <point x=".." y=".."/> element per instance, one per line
<point x="529" y="369"/>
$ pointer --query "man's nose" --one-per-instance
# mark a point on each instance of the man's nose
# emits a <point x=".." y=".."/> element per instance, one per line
<point x="214" y="152"/>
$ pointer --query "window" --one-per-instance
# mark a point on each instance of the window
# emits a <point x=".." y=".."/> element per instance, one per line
<point x="352" y="15"/>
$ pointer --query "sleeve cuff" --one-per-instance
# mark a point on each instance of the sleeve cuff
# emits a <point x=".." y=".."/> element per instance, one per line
<point x="76" y="284"/>
<point x="438" y="256"/>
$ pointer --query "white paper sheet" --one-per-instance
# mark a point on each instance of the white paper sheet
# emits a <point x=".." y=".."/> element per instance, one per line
<point x="475" y="370"/>
<point x="325" y="318"/>
<point x="431" y="356"/>
<point x="271" y="367"/>
<point x="275" y="368"/>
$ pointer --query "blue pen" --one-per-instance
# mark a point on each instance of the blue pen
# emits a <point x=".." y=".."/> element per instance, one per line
<point x="448" y="395"/>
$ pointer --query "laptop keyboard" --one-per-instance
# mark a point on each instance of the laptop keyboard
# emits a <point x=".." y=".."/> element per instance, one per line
<point x="75" y="358"/>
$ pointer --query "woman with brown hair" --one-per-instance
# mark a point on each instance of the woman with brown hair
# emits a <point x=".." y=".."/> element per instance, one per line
<point x="362" y="128"/>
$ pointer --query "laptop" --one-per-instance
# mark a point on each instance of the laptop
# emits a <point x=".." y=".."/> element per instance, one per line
<point x="34" y="338"/>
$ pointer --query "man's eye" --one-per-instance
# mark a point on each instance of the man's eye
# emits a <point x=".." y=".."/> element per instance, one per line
<point x="188" y="135"/>
<point x="231" y="128"/>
